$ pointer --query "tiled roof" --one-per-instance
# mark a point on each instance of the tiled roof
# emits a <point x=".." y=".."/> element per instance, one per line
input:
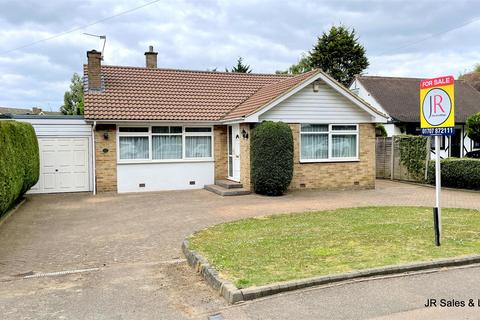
<point x="400" y="97"/>
<point x="7" y="110"/>
<point x="267" y="94"/>
<point x="132" y="93"/>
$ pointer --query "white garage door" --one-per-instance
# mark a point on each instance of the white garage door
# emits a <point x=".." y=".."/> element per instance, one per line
<point x="63" y="165"/>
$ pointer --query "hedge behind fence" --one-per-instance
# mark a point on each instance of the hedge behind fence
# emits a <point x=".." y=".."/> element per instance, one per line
<point x="271" y="158"/>
<point x="19" y="161"/>
<point x="457" y="173"/>
<point x="413" y="154"/>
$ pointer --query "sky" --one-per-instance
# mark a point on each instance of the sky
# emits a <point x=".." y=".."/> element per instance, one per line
<point x="420" y="38"/>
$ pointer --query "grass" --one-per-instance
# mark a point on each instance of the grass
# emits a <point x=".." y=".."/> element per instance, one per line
<point x="263" y="250"/>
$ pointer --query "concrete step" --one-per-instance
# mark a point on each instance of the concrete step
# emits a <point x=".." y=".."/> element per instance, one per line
<point x="228" y="184"/>
<point x="226" y="192"/>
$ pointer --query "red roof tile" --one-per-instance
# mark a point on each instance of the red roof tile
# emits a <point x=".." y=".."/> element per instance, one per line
<point x="132" y="93"/>
<point x="267" y="94"/>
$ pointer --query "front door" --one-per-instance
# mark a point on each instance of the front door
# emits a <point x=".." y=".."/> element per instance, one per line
<point x="233" y="142"/>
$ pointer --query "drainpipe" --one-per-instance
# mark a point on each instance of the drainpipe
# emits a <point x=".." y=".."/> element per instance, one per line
<point x="93" y="158"/>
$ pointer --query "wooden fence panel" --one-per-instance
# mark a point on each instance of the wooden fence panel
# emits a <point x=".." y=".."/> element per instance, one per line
<point x="388" y="160"/>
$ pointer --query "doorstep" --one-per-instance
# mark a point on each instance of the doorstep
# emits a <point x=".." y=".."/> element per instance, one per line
<point x="227" y="188"/>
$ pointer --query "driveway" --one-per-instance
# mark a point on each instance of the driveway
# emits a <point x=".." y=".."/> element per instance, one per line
<point x="131" y="243"/>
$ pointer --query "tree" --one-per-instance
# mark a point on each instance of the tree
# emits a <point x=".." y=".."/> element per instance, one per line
<point x="303" y="65"/>
<point x="240" y="67"/>
<point x="73" y="98"/>
<point x="339" y="54"/>
<point x="472" y="77"/>
<point x="473" y="127"/>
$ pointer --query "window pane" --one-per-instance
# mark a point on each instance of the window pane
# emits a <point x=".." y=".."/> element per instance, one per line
<point x="160" y="129"/>
<point x="344" y="128"/>
<point x="314" y="128"/>
<point x="344" y="146"/>
<point x="198" y="129"/>
<point x="198" y="147"/>
<point x="132" y="129"/>
<point x="230" y="141"/>
<point x="314" y="146"/>
<point x="175" y="129"/>
<point x="133" y="148"/>
<point x="166" y="147"/>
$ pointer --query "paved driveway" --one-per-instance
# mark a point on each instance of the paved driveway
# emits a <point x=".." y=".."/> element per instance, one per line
<point x="134" y="241"/>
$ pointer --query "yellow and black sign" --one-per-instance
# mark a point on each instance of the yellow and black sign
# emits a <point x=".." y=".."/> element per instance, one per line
<point x="437" y="106"/>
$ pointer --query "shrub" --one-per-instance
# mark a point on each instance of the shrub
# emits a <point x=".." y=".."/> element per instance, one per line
<point x="272" y="158"/>
<point x="19" y="161"/>
<point x="380" y="130"/>
<point x="413" y="154"/>
<point x="473" y="127"/>
<point x="457" y="173"/>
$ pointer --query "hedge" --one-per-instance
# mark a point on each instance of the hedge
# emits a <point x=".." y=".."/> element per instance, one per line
<point x="457" y="173"/>
<point x="19" y="161"/>
<point x="413" y="154"/>
<point x="271" y="156"/>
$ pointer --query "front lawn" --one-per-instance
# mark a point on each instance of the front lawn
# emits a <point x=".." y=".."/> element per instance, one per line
<point x="264" y="250"/>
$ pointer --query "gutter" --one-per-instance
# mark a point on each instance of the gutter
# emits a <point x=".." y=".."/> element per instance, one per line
<point x="93" y="158"/>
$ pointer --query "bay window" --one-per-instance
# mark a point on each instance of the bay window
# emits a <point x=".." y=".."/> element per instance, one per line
<point x="328" y="142"/>
<point x="164" y="143"/>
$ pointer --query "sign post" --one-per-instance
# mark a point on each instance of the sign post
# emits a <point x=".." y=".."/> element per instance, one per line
<point x="437" y="118"/>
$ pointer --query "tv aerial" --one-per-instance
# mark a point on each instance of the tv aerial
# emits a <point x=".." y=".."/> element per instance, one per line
<point x="101" y="37"/>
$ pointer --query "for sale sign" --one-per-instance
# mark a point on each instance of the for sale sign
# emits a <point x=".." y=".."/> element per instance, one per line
<point x="437" y="106"/>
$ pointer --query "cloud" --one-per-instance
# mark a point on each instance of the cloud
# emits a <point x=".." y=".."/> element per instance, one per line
<point x="270" y="35"/>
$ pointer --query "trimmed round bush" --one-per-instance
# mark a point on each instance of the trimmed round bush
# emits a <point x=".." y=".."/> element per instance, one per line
<point x="19" y="161"/>
<point x="271" y="158"/>
<point x="457" y="173"/>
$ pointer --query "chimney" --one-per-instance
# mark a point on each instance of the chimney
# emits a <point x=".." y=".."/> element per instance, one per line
<point x="93" y="68"/>
<point x="151" y="58"/>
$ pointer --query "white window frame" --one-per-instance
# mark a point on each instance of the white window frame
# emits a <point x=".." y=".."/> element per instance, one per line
<point x="134" y="134"/>
<point x="196" y="134"/>
<point x="149" y="134"/>
<point x="331" y="132"/>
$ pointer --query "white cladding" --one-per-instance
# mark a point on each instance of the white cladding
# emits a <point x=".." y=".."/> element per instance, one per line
<point x="137" y="177"/>
<point x="324" y="106"/>
<point x="60" y="127"/>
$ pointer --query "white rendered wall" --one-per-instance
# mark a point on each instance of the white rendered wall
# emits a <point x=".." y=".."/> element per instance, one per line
<point x="164" y="176"/>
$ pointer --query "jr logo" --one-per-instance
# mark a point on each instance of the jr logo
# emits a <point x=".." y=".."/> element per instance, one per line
<point x="436" y="105"/>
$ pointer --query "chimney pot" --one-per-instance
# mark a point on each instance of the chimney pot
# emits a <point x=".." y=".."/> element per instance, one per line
<point x="151" y="58"/>
<point x="94" y="70"/>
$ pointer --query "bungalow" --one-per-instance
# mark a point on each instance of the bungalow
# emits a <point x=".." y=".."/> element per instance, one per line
<point x="399" y="99"/>
<point x="166" y="129"/>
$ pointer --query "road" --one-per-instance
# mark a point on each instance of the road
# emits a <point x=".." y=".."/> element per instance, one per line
<point x="399" y="297"/>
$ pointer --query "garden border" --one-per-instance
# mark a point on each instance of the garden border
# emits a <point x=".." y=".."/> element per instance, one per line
<point x="234" y="295"/>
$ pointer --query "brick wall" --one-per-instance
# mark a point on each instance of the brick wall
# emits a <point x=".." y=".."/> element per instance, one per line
<point x="106" y="162"/>
<point x="245" y="172"/>
<point x="220" y="152"/>
<point x="337" y="175"/>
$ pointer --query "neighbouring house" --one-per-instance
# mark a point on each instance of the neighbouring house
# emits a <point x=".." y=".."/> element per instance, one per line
<point x="399" y="99"/>
<point x="166" y="129"/>
<point x="21" y="111"/>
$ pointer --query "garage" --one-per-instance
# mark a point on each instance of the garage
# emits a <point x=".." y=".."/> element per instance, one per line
<point x="65" y="153"/>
